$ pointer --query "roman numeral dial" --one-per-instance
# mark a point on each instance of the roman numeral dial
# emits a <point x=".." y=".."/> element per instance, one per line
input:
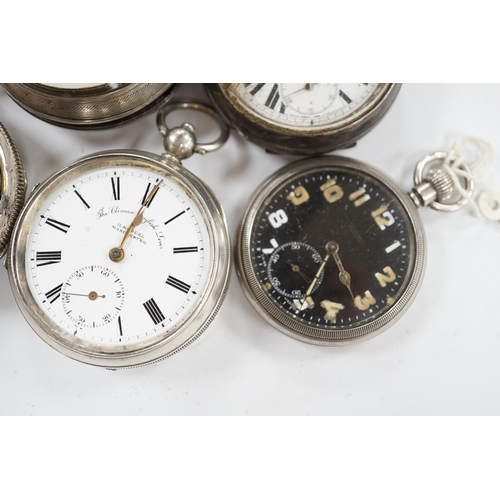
<point x="167" y="255"/>
<point x="305" y="106"/>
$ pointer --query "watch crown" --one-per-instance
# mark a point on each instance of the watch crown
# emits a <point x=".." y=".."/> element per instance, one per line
<point x="181" y="141"/>
<point x="442" y="183"/>
<point x="436" y="186"/>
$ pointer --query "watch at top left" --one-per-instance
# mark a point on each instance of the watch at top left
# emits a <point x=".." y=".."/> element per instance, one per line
<point x="12" y="187"/>
<point x="89" y="105"/>
<point x="122" y="258"/>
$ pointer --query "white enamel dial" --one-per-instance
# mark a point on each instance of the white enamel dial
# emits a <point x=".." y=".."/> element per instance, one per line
<point x="149" y="292"/>
<point x="93" y="296"/>
<point x="305" y="105"/>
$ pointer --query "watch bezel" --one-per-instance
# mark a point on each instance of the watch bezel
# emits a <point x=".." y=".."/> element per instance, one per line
<point x="281" y="139"/>
<point x="95" y="107"/>
<point x="12" y="187"/>
<point x="277" y="316"/>
<point x="165" y="344"/>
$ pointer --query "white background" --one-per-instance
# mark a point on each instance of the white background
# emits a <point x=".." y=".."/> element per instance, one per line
<point x="441" y="358"/>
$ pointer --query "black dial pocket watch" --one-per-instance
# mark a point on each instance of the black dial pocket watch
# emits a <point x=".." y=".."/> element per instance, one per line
<point x="123" y="258"/>
<point x="303" y="118"/>
<point x="89" y="105"/>
<point x="332" y="251"/>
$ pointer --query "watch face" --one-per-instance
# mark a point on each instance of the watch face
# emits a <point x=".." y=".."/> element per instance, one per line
<point x="329" y="251"/>
<point x="118" y="257"/>
<point x="306" y="106"/>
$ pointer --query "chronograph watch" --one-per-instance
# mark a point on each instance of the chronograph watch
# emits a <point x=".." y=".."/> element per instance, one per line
<point x="123" y="258"/>
<point x="331" y="250"/>
<point x="303" y="118"/>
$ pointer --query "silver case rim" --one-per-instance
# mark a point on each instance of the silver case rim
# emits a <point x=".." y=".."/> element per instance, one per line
<point x="281" y="139"/>
<point x="12" y="187"/>
<point x="103" y="106"/>
<point x="274" y="315"/>
<point x="145" y="352"/>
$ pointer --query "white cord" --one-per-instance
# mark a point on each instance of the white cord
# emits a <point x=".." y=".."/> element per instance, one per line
<point x="478" y="156"/>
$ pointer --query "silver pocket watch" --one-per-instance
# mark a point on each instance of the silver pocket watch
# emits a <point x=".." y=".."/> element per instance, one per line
<point x="87" y="105"/>
<point x="303" y="118"/>
<point x="331" y="251"/>
<point x="12" y="187"/>
<point x="123" y="257"/>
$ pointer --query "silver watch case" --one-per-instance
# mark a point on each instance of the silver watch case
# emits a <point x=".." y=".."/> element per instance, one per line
<point x="95" y="106"/>
<point x="280" y="139"/>
<point x="12" y="187"/>
<point x="147" y="351"/>
<point x="277" y="316"/>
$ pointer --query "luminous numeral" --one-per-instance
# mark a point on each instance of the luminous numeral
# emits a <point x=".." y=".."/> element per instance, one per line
<point x="387" y="276"/>
<point x="301" y="304"/>
<point x="298" y="196"/>
<point x="359" y="197"/>
<point x="392" y="247"/>
<point x="115" y="184"/>
<point x="363" y="303"/>
<point x="331" y="191"/>
<point x="47" y="258"/>
<point x="278" y="218"/>
<point x="54" y="294"/>
<point x="185" y="249"/>
<point x="176" y="283"/>
<point x="58" y="225"/>
<point x="332" y="309"/>
<point x="383" y="217"/>
<point x="154" y="311"/>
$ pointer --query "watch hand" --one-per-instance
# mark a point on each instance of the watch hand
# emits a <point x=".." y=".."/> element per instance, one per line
<point x="331" y="247"/>
<point x="116" y="254"/>
<point x="345" y="277"/>
<point x="91" y="295"/>
<point x="296" y="269"/>
<point x="308" y="86"/>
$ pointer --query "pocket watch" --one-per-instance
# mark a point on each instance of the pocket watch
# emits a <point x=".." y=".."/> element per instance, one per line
<point x="303" y="118"/>
<point x="123" y="258"/>
<point x="332" y="251"/>
<point x="89" y="105"/>
<point x="12" y="187"/>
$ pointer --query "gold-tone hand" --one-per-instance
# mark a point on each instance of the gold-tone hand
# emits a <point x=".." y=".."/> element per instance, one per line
<point x="116" y="254"/>
<point x="91" y="295"/>
<point x="344" y="276"/>
<point x="296" y="269"/>
<point x="331" y="247"/>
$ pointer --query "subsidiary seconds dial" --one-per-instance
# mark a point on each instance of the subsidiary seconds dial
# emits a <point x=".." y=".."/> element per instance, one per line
<point x="329" y="250"/>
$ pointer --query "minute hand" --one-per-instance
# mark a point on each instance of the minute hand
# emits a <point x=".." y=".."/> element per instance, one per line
<point x="116" y="254"/>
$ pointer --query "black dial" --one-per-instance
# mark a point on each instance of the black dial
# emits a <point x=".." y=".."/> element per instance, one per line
<point x="331" y="246"/>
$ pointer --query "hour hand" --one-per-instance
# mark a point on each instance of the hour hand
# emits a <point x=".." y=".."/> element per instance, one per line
<point x="344" y="276"/>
